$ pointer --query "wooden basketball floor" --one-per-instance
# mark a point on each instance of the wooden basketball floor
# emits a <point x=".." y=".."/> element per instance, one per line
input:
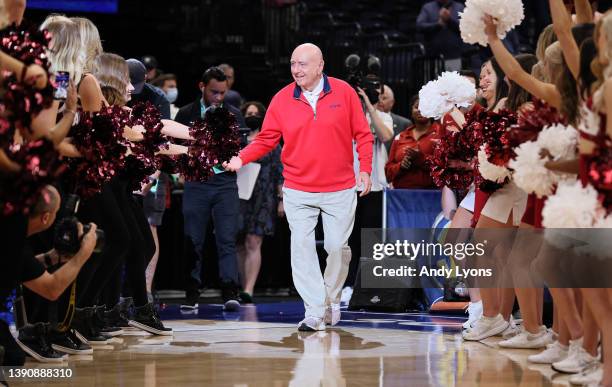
<point x="260" y="346"/>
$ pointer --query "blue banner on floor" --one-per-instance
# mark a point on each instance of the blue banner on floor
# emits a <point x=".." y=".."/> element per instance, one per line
<point x="418" y="208"/>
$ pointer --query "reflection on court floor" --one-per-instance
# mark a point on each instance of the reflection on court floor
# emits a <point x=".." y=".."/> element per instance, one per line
<point x="260" y="347"/>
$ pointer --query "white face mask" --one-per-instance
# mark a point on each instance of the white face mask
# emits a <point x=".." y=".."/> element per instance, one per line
<point x="172" y="94"/>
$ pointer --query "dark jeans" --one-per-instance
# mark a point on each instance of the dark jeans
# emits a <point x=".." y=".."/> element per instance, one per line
<point x="367" y="215"/>
<point x="218" y="197"/>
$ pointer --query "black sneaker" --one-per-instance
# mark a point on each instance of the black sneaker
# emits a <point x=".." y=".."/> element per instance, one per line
<point x="147" y="319"/>
<point x="192" y="296"/>
<point x="229" y="294"/>
<point x="116" y="317"/>
<point x="100" y="322"/>
<point x="85" y="329"/>
<point x="126" y="307"/>
<point x="33" y="340"/>
<point x="246" y="298"/>
<point x="67" y="342"/>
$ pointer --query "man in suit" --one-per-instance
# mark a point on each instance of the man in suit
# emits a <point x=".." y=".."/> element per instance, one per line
<point x="217" y="197"/>
<point x="385" y="104"/>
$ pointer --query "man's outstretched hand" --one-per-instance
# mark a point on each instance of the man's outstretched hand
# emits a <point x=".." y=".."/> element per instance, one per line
<point x="234" y="164"/>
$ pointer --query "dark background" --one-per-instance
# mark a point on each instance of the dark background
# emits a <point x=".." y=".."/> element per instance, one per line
<point x="257" y="37"/>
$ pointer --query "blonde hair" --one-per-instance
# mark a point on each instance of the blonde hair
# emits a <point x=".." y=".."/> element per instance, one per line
<point x="90" y="41"/>
<point x="604" y="26"/>
<point x="553" y="56"/>
<point x="66" y="53"/>
<point x="539" y="72"/>
<point x="113" y="74"/>
<point x="546" y="38"/>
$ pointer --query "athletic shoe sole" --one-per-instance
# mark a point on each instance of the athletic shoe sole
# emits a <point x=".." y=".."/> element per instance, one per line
<point x="231" y="306"/>
<point x="490" y="333"/>
<point x="568" y="372"/>
<point x="113" y="333"/>
<point x="149" y="329"/>
<point x="307" y="328"/>
<point x="544" y="362"/>
<point x="528" y="345"/>
<point x="71" y="351"/>
<point x="38" y="357"/>
<point x="92" y="342"/>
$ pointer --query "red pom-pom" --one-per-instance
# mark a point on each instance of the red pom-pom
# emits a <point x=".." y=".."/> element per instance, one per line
<point x="531" y="122"/>
<point x="600" y="172"/>
<point x="494" y="131"/>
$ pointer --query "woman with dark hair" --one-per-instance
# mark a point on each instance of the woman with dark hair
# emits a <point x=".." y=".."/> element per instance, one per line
<point x="492" y="92"/>
<point x="502" y="209"/>
<point x="406" y="166"/>
<point x="258" y="213"/>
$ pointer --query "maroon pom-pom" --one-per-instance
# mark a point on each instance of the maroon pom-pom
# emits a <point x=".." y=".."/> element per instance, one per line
<point x="531" y="122"/>
<point x="40" y="166"/>
<point x="600" y="172"/>
<point x="217" y="139"/>
<point x="143" y="161"/>
<point x="99" y="139"/>
<point x="494" y="133"/>
<point x="21" y="99"/>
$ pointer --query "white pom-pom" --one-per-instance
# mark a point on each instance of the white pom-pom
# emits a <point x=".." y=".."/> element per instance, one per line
<point x="589" y="121"/>
<point x="459" y="90"/>
<point x="440" y="96"/>
<point x="560" y="140"/>
<point x="432" y="103"/>
<point x="598" y="240"/>
<point x="508" y="14"/>
<point x="572" y="206"/>
<point x="530" y="174"/>
<point x="490" y="171"/>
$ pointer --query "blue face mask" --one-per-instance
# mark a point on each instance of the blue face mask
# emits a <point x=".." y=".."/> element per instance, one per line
<point x="172" y="94"/>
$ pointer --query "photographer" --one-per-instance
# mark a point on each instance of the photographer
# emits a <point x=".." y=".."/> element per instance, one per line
<point x="27" y="269"/>
<point x="369" y="208"/>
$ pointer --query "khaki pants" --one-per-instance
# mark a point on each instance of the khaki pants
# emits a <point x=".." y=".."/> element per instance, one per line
<point x="338" y="213"/>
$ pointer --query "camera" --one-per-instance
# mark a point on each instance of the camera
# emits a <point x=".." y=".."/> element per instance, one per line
<point x="66" y="240"/>
<point x="364" y="75"/>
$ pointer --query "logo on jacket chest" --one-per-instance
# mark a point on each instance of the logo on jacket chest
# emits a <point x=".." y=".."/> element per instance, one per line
<point x="335" y="106"/>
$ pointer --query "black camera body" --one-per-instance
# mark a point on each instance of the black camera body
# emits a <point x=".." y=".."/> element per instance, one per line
<point x="66" y="240"/>
<point x="364" y="75"/>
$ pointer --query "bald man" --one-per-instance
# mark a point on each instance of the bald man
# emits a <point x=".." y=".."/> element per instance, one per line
<point x="318" y="118"/>
<point x="25" y="268"/>
<point x="386" y="101"/>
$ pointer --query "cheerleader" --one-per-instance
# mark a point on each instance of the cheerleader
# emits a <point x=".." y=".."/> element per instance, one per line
<point x="503" y="209"/>
<point x="599" y="301"/>
<point x="567" y="105"/>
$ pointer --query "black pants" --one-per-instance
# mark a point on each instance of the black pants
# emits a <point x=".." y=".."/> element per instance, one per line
<point x="105" y="210"/>
<point x="140" y="252"/>
<point x="13" y="355"/>
<point x="367" y="215"/>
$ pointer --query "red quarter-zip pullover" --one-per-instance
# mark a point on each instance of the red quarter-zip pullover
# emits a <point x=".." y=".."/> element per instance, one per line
<point x="317" y="154"/>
